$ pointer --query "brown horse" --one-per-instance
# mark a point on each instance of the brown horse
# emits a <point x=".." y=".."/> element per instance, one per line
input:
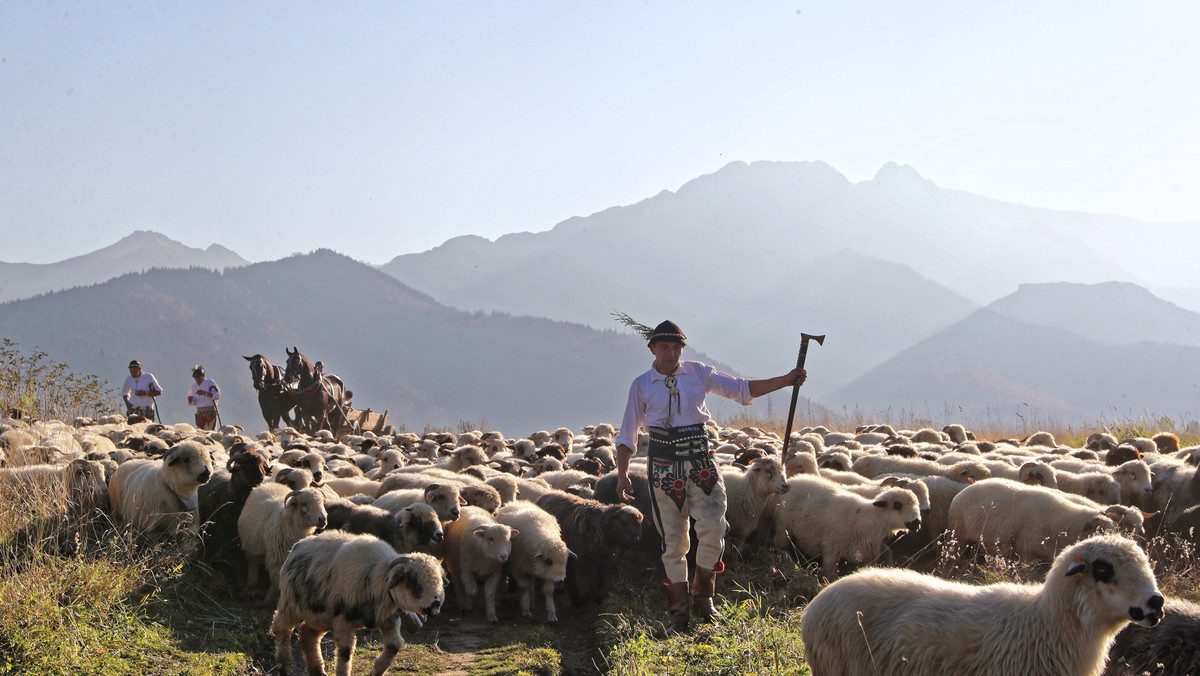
<point x="320" y="398"/>
<point x="275" y="399"/>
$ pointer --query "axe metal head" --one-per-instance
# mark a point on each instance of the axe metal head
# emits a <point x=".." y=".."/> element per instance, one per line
<point x="819" y="340"/>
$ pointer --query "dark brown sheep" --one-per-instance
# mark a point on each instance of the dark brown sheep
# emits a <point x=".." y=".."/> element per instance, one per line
<point x="597" y="533"/>
<point x="221" y="501"/>
<point x="1166" y="650"/>
<point x="1121" y="455"/>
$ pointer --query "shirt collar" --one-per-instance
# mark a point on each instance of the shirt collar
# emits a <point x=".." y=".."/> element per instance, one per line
<point x="655" y="376"/>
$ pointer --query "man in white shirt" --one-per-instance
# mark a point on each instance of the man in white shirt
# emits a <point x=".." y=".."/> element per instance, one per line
<point x="204" y="394"/>
<point x="139" y="391"/>
<point x="669" y="401"/>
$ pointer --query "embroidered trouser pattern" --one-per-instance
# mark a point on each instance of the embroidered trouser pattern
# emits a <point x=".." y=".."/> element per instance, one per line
<point x="684" y="489"/>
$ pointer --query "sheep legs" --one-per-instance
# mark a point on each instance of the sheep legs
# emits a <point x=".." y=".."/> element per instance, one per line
<point x="548" y="592"/>
<point x="489" y="596"/>
<point x="310" y="646"/>
<point x="345" y="639"/>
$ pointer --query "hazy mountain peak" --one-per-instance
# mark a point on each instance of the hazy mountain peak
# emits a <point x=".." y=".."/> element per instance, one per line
<point x="892" y="174"/>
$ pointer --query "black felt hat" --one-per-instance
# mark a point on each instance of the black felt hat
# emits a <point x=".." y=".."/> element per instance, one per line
<point x="668" y="330"/>
<point x="134" y="363"/>
<point x="197" y="370"/>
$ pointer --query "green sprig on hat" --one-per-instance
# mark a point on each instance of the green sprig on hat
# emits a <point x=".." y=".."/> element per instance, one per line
<point x="632" y="323"/>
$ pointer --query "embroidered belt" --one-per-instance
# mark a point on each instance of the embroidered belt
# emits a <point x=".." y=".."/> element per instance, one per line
<point x="679" y="455"/>
<point x="689" y="442"/>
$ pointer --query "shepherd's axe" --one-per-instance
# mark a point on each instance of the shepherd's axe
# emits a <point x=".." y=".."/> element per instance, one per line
<point x="804" y="338"/>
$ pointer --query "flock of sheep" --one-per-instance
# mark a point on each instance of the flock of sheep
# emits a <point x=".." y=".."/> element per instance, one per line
<point x="367" y="531"/>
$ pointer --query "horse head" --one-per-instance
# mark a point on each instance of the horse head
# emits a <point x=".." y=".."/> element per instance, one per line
<point x="258" y="370"/>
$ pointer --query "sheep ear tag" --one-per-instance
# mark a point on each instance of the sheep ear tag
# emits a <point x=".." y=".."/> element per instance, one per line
<point x="1078" y="567"/>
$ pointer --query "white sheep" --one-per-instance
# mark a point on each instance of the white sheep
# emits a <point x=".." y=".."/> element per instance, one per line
<point x="342" y="583"/>
<point x="1032" y="522"/>
<point x="444" y="498"/>
<point x="77" y="487"/>
<point x="892" y="622"/>
<point x="875" y="466"/>
<point x="161" y="494"/>
<point x="823" y="519"/>
<point x="539" y="555"/>
<point x="273" y="519"/>
<point x="477" y="546"/>
<point x="1099" y="487"/>
<point x="748" y="493"/>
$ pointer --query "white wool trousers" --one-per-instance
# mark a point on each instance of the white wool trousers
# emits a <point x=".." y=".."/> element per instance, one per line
<point x="683" y="490"/>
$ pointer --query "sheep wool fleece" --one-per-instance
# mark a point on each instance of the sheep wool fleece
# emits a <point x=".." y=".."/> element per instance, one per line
<point x="684" y="480"/>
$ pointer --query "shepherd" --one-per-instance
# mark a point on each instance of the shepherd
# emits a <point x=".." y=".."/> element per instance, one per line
<point x="669" y="401"/>
<point x="204" y="394"/>
<point x="139" y="392"/>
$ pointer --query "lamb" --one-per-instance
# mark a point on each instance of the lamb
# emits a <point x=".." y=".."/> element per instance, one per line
<point x="822" y="519"/>
<point x="161" y="494"/>
<point x="273" y="520"/>
<point x="539" y="556"/>
<point x="597" y="533"/>
<point x="477" y="546"/>
<point x="747" y="494"/>
<point x="875" y="466"/>
<point x="342" y="583"/>
<point x="892" y="622"/>
<point x="1031" y="522"/>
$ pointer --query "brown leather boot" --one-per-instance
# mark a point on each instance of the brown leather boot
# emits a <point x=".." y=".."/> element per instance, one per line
<point x="703" y="589"/>
<point x="677" y="603"/>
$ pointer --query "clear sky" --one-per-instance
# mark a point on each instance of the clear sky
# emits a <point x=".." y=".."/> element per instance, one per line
<point x="381" y="128"/>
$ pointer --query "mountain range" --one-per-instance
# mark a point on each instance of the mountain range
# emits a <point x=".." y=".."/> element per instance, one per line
<point x="938" y="303"/>
<point x="398" y="350"/>
<point x="141" y="250"/>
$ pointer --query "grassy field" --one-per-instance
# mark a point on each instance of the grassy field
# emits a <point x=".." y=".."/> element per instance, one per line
<point x="81" y="596"/>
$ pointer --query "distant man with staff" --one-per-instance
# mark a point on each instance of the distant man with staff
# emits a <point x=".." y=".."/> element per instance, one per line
<point x="204" y="394"/>
<point x="684" y="481"/>
<point x="139" y="391"/>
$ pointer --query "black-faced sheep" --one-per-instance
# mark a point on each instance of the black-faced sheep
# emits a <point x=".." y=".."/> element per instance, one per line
<point x="342" y="583"/>
<point x="597" y="533"/>
<point x="892" y="622"/>
<point x="477" y="546"/>
<point x="824" y="520"/>
<point x="539" y="556"/>
<point x="161" y="494"/>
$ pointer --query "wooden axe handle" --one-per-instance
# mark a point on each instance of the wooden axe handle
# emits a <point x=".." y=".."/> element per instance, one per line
<point x="787" y="435"/>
